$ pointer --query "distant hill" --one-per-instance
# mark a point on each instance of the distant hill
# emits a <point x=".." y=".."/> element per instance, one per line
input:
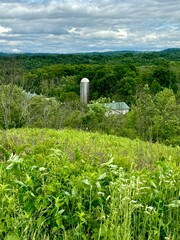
<point x="170" y="50"/>
<point x="38" y="60"/>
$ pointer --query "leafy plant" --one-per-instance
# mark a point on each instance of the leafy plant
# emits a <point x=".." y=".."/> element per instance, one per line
<point x="76" y="185"/>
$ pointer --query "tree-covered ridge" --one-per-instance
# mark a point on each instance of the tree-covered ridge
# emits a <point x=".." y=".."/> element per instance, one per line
<point x="112" y="74"/>
<point x="33" y="60"/>
<point x="117" y="81"/>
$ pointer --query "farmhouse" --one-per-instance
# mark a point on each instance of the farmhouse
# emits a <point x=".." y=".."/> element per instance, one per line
<point x="116" y="108"/>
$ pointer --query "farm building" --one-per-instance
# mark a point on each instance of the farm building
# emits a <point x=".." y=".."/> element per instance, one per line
<point x="116" y="108"/>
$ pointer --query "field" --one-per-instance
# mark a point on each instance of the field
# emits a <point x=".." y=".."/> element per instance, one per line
<point x="76" y="185"/>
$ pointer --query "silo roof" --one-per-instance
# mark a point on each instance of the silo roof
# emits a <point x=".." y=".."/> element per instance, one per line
<point x="85" y="80"/>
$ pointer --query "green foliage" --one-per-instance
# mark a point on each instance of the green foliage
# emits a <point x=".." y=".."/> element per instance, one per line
<point x="42" y="112"/>
<point x="166" y="119"/>
<point x="152" y="118"/>
<point x="13" y="103"/>
<point x="94" y="117"/>
<point x="156" y="118"/>
<point x="4" y="153"/>
<point x="118" y="81"/>
<point x="11" y="71"/>
<point x="117" y="76"/>
<point x="76" y="185"/>
<point x="165" y="77"/>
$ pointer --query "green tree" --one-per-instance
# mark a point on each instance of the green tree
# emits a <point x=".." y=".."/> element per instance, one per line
<point x="13" y="106"/>
<point x="104" y="82"/>
<point x="142" y="114"/>
<point x="155" y="118"/>
<point x="166" y="121"/>
<point x="12" y="71"/>
<point x="126" y="88"/>
<point x="93" y="120"/>
<point x="165" y="77"/>
<point x="43" y="112"/>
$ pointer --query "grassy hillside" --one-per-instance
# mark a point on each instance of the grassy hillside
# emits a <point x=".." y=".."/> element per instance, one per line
<point x="75" y="185"/>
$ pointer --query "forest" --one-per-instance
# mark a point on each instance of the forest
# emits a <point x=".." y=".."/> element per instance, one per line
<point x="43" y="91"/>
<point x="68" y="170"/>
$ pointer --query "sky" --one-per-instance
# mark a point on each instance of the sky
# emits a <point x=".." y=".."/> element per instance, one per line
<point x="75" y="26"/>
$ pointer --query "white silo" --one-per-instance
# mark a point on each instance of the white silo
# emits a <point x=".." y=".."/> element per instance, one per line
<point x="84" y="90"/>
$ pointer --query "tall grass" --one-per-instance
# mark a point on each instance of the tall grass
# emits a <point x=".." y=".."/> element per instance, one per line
<point x="75" y="185"/>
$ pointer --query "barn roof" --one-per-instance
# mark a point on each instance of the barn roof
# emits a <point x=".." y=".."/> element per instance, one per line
<point x="117" y="106"/>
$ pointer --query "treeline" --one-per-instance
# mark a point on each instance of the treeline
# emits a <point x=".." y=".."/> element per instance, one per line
<point x="48" y="96"/>
<point x="120" y="82"/>
<point x="152" y="118"/>
<point x="32" y="61"/>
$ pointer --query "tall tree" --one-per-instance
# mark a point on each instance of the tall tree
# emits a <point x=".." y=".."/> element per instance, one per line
<point x="13" y="106"/>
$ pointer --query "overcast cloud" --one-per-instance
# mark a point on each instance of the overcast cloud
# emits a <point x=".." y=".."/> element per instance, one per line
<point x="68" y="26"/>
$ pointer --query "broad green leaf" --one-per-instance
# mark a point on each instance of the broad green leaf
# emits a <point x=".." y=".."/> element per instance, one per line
<point x="86" y="181"/>
<point x="11" y="237"/>
<point x="103" y="176"/>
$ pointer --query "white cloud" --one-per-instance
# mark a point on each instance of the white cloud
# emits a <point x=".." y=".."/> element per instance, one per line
<point x="101" y="34"/>
<point x="14" y="43"/>
<point x="78" y="26"/>
<point x="2" y="41"/>
<point x="149" y="37"/>
<point x="5" y="29"/>
<point x="16" y="50"/>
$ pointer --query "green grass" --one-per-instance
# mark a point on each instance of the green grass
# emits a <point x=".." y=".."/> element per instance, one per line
<point x="75" y="185"/>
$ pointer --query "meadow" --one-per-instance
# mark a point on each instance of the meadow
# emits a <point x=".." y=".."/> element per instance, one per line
<point x="68" y="184"/>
